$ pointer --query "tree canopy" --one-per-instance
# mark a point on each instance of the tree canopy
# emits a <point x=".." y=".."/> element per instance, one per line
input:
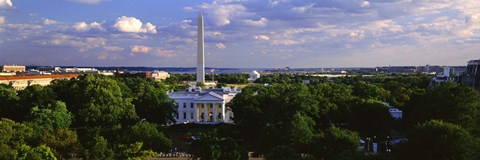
<point x="439" y="140"/>
<point x="92" y="117"/>
<point x="449" y="102"/>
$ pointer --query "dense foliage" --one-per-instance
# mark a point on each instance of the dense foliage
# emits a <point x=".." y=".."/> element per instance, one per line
<point x="91" y="117"/>
<point x="324" y="119"/>
<point x="439" y="140"/>
<point x="280" y="116"/>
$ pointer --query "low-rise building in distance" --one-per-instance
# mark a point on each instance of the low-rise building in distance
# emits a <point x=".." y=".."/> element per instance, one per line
<point x="12" y="68"/>
<point x="20" y="82"/>
<point x="159" y="75"/>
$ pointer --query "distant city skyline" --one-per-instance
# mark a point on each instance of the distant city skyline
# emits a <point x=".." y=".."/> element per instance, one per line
<point x="240" y="33"/>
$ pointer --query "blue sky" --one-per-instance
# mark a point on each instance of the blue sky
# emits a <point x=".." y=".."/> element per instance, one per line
<point x="240" y="33"/>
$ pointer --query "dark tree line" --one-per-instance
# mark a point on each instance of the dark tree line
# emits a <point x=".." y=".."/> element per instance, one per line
<point x="99" y="117"/>
<point x="325" y="119"/>
<point x="91" y="117"/>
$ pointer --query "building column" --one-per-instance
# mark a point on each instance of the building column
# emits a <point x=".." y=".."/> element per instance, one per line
<point x="179" y="113"/>
<point x="205" y="114"/>
<point x="195" y="113"/>
<point x="223" y="112"/>
<point x="214" y="112"/>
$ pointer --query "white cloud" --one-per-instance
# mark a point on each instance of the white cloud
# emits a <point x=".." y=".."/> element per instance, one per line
<point x="365" y="4"/>
<point x="47" y="21"/>
<point x="383" y="25"/>
<point x="262" y="37"/>
<point x="284" y="42"/>
<point x="273" y="3"/>
<point x="113" y="48"/>
<point x="6" y="3"/>
<point x="472" y="19"/>
<point x="81" y="43"/>
<point x="165" y="53"/>
<point x="138" y="49"/>
<point x="220" y="45"/>
<point x="103" y="56"/>
<point x="262" y="22"/>
<point x="150" y="28"/>
<point x="222" y="13"/>
<point x="133" y="25"/>
<point x="302" y="9"/>
<point x="88" y="1"/>
<point x="2" y="20"/>
<point x="301" y="31"/>
<point x="359" y="34"/>
<point x="83" y="26"/>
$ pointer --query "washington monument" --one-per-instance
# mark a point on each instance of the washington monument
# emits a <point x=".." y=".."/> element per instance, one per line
<point x="200" y="51"/>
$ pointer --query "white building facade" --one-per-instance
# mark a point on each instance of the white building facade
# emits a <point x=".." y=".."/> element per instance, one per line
<point x="395" y="112"/>
<point x="203" y="106"/>
<point x="253" y="76"/>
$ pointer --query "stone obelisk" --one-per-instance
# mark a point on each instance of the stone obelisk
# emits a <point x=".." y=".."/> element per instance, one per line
<point x="200" y="51"/>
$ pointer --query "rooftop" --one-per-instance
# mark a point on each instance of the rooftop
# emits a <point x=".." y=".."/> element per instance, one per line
<point x="24" y="77"/>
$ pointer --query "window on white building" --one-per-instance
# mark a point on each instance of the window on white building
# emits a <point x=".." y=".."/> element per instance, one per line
<point x="184" y="115"/>
<point x="191" y="115"/>
<point x="184" y="105"/>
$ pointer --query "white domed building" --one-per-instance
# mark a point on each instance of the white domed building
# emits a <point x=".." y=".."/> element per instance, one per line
<point x="254" y="75"/>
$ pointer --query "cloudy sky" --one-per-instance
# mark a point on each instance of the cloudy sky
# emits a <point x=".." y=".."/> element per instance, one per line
<point x="240" y="33"/>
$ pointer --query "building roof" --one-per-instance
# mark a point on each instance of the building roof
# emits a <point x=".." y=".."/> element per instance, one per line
<point x="26" y="77"/>
<point x="217" y="92"/>
<point x="203" y="91"/>
<point x="210" y="96"/>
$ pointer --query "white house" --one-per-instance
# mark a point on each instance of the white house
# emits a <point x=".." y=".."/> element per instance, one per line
<point x="203" y="106"/>
<point x="395" y="112"/>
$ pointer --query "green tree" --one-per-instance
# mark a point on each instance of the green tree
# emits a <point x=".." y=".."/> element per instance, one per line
<point x="248" y="112"/>
<point x="41" y="152"/>
<point x="99" y="149"/>
<point x="439" y="140"/>
<point x="232" y="150"/>
<point x="149" y="135"/>
<point x="37" y="96"/>
<point x="400" y="93"/>
<point x="12" y="137"/>
<point x="220" y="85"/>
<point x="96" y="100"/>
<point x="64" y="142"/>
<point x="215" y="148"/>
<point x="449" y="102"/>
<point x="371" y="118"/>
<point x="151" y="100"/>
<point x="282" y="115"/>
<point x="52" y="116"/>
<point x="283" y="153"/>
<point x="370" y="91"/>
<point x="334" y="101"/>
<point x="337" y="143"/>
<point x="133" y="152"/>
<point x="200" y="84"/>
<point x="9" y="107"/>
